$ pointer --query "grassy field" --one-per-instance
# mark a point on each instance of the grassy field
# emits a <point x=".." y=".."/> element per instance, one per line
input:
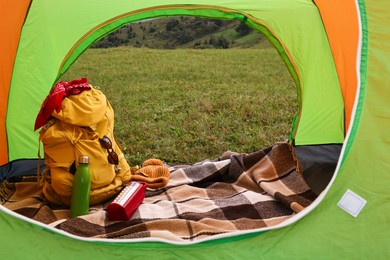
<point x="185" y="106"/>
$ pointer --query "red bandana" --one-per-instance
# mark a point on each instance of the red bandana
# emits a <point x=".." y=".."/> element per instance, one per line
<point x="54" y="100"/>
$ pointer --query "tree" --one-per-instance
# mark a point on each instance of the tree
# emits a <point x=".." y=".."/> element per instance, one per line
<point x="221" y="43"/>
<point x="171" y="24"/>
<point x="185" y="36"/>
<point x="243" y="29"/>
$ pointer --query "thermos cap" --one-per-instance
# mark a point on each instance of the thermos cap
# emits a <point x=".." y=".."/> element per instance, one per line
<point x="84" y="159"/>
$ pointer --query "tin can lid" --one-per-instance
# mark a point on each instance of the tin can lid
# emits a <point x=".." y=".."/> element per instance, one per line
<point x="84" y="159"/>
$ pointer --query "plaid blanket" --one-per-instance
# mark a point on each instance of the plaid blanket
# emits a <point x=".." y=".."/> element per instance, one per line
<point x="236" y="192"/>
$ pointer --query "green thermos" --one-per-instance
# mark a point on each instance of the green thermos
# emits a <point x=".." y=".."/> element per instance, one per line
<point x="81" y="189"/>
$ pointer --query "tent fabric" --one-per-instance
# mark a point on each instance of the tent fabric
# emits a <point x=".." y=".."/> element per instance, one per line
<point x="343" y="32"/>
<point x="57" y="26"/>
<point x="323" y="230"/>
<point x="12" y="16"/>
<point x="16" y="170"/>
<point x="318" y="163"/>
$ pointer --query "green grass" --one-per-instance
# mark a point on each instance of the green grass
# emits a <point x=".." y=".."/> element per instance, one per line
<point x="185" y="106"/>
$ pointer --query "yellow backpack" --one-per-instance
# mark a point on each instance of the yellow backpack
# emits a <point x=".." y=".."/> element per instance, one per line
<point x="84" y="125"/>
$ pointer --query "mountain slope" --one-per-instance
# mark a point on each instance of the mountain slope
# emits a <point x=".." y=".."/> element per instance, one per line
<point x="185" y="32"/>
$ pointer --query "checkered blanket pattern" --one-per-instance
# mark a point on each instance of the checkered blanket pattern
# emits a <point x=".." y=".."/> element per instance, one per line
<point x="238" y="192"/>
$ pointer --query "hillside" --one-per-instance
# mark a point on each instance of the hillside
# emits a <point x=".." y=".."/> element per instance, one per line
<point x="185" y="32"/>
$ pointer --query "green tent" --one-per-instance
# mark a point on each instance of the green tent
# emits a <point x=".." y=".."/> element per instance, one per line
<point x="338" y="54"/>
